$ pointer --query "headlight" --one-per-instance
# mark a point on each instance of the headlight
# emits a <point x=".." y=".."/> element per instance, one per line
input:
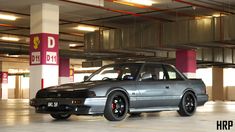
<point x="91" y="94"/>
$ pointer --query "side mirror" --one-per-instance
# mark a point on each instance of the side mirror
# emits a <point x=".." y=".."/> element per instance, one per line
<point x="146" y="76"/>
<point x="85" y="78"/>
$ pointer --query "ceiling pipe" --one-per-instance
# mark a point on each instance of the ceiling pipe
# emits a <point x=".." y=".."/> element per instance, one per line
<point x="146" y="12"/>
<point x="229" y="6"/>
<point x="12" y="26"/>
<point x="26" y="36"/>
<point x="95" y="25"/>
<point x="27" y="28"/>
<point x="169" y="11"/>
<point x="218" y="4"/>
<point x="119" y="11"/>
<point x="19" y="49"/>
<point x="24" y="50"/>
<point x="62" y="20"/>
<point x="203" y="6"/>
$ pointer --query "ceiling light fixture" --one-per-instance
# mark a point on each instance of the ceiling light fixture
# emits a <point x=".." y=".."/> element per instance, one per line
<point x="10" y="39"/>
<point x="72" y="45"/>
<point x="141" y="2"/>
<point x="86" y="28"/>
<point x="7" y="17"/>
<point x="75" y="44"/>
<point x="216" y="15"/>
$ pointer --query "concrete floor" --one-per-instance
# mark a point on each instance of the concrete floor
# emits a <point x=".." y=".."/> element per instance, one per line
<point x="17" y="116"/>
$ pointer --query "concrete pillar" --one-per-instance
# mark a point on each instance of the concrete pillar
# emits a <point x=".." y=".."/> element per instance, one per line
<point x="18" y="90"/>
<point x="64" y="70"/>
<point x="186" y="62"/>
<point x="44" y="39"/>
<point x="3" y="82"/>
<point x="217" y="83"/>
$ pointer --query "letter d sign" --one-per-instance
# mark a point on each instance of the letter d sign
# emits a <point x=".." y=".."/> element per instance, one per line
<point x="51" y="42"/>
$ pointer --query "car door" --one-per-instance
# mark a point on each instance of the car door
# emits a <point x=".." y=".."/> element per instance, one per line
<point x="176" y="85"/>
<point x="151" y="86"/>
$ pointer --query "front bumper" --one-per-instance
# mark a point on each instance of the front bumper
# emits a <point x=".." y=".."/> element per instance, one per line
<point x="78" y="106"/>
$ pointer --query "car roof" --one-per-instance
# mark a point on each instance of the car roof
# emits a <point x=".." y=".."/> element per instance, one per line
<point x="141" y="63"/>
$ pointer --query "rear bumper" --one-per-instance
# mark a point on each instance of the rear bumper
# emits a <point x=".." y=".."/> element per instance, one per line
<point x="78" y="106"/>
<point x="202" y="99"/>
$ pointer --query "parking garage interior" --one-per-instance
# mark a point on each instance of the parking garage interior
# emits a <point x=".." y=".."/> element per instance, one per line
<point x="196" y="36"/>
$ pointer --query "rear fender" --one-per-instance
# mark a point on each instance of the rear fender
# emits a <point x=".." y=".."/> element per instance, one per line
<point x="188" y="90"/>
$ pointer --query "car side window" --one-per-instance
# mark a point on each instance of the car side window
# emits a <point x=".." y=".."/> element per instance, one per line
<point x="172" y="73"/>
<point x="154" y="72"/>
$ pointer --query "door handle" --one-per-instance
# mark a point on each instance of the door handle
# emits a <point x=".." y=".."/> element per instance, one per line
<point x="167" y="87"/>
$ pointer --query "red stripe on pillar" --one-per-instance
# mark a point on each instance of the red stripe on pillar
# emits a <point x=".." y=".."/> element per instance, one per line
<point x="186" y="60"/>
<point x="42" y="83"/>
<point x="64" y="67"/>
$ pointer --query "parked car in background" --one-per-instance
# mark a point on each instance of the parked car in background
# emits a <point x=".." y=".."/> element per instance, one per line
<point x="117" y="89"/>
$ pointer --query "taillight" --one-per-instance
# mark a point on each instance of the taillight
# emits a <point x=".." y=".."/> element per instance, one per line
<point x="204" y="90"/>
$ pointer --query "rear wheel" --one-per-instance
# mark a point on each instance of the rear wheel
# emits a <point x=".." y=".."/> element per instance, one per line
<point x="116" y="107"/>
<point x="188" y="104"/>
<point x="61" y="116"/>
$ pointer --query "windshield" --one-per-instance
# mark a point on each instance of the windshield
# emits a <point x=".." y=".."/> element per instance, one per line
<point x="116" y="72"/>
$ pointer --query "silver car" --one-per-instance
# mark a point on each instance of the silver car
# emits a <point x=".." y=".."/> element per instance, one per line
<point x="117" y="89"/>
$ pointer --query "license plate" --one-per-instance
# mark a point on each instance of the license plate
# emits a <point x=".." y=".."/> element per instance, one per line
<point x="52" y="104"/>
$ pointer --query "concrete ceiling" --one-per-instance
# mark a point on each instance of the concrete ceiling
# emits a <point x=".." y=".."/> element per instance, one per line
<point x="112" y="15"/>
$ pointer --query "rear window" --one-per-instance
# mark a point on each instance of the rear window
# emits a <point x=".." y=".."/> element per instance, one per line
<point x="172" y="73"/>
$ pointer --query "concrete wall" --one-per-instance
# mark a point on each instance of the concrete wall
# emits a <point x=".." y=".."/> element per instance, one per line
<point x="229" y="93"/>
<point x="24" y="93"/>
<point x="209" y="92"/>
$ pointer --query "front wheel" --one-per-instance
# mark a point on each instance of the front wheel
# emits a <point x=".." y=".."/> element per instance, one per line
<point x="116" y="107"/>
<point x="188" y="104"/>
<point x="60" y="116"/>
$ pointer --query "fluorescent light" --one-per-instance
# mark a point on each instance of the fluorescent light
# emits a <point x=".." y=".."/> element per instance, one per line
<point x="14" y="55"/>
<point x="216" y="15"/>
<point x="10" y="38"/>
<point x="7" y="17"/>
<point x="141" y="2"/>
<point x="86" y="28"/>
<point x="74" y="45"/>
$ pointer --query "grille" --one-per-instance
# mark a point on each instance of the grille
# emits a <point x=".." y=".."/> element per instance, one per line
<point x="63" y="94"/>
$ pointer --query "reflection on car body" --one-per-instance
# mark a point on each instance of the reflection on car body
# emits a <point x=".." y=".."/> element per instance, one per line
<point x="117" y="89"/>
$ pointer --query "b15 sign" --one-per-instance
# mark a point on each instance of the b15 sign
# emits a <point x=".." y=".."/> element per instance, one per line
<point x="44" y="49"/>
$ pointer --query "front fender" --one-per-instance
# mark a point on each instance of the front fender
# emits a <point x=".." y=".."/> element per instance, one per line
<point x="116" y="89"/>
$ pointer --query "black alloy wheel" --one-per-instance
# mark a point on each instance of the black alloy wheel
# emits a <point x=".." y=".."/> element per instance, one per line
<point x="188" y="104"/>
<point x="116" y="107"/>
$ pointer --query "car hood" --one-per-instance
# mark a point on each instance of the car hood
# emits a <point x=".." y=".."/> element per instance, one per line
<point x="77" y="86"/>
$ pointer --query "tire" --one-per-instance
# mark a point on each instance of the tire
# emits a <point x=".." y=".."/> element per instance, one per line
<point x="60" y="116"/>
<point x="188" y="104"/>
<point x="116" y="107"/>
